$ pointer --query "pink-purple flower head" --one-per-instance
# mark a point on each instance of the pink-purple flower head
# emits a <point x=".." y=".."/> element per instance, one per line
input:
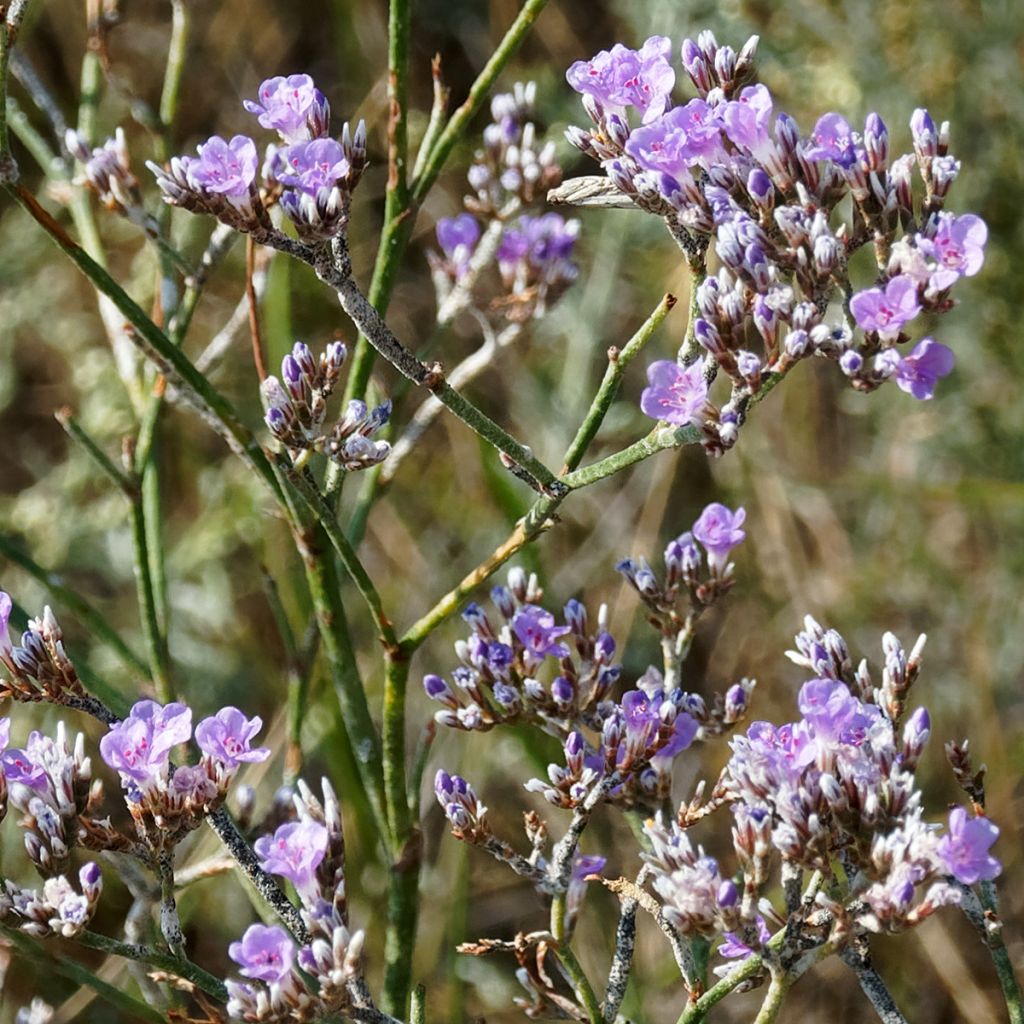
<point x="545" y="242"/>
<point x="734" y="948"/>
<point x="919" y="371"/>
<point x="5" y="617"/>
<point x="621" y="78"/>
<point x="457" y="237"/>
<point x="719" y="530"/>
<point x="227" y="168"/>
<point x="227" y="737"/>
<point x="745" y="120"/>
<point x="292" y="106"/>
<point x="677" y="140"/>
<point x="311" y="166"/>
<point x="294" y="852"/>
<point x="676" y="394"/>
<point x="265" y="953"/>
<point x="964" y="848"/>
<point x="833" y="139"/>
<point x="957" y="248"/>
<point x="535" y="627"/>
<point x="24" y="766"/>
<point x="139" y="747"/>
<point x="886" y="311"/>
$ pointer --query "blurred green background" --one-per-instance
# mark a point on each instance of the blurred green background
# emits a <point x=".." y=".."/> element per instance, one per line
<point x="870" y="513"/>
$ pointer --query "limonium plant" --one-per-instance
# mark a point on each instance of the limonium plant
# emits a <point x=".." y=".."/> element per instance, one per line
<point x="821" y="240"/>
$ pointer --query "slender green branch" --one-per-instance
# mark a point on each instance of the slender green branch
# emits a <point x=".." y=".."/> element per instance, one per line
<point x="772" y="1005"/>
<point x="418" y="1010"/>
<point x="173" y="73"/>
<point x="618" y="361"/>
<point x="438" y="112"/>
<point x="1000" y="955"/>
<point x="563" y="950"/>
<point x="399" y="27"/>
<point x="397" y="230"/>
<point x="47" y="960"/>
<point x="117" y="476"/>
<point x="161" y="961"/>
<point x="66" y="597"/>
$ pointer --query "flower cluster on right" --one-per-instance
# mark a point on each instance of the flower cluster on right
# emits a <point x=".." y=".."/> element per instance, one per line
<point x="729" y="176"/>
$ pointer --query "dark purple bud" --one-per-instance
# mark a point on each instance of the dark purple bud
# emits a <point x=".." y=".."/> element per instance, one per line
<point x="787" y="133"/>
<point x="290" y="370"/>
<point x="90" y="874"/>
<point x="604" y="647"/>
<point x="876" y="143"/>
<point x="473" y="615"/>
<point x="727" y="894"/>
<point x="436" y="688"/>
<point x="576" y="617"/>
<point x="443" y="785"/>
<point x="851" y="362"/>
<point x="736" y="697"/>
<point x="760" y="188"/>
<point x="575" y="745"/>
<point x="926" y="141"/>
<point x="562" y="691"/>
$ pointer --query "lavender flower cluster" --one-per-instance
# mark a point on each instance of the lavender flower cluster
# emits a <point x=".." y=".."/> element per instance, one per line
<point x="310" y="175"/>
<point x="524" y="670"/>
<point x="511" y="174"/>
<point x="727" y="175"/>
<point x="287" y="982"/>
<point x="296" y="405"/>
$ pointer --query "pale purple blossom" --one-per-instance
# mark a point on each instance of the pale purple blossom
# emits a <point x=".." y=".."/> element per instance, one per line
<point x="535" y="627"/>
<point x="288" y="106"/>
<point x="745" y="119"/>
<point x="265" y="953"/>
<point x="24" y="766"/>
<point x="5" y="617"/>
<point x="919" y="372"/>
<point x="676" y="394"/>
<point x="139" y="747"/>
<point x="957" y="247"/>
<point x="832" y="139"/>
<point x="964" y="848"/>
<point x="294" y="851"/>
<point x="621" y="78"/>
<point x="718" y="529"/>
<point x="887" y="311"/>
<point x="457" y="237"/>
<point x="311" y="166"/>
<point x="228" y="735"/>
<point x="544" y="242"/>
<point x="677" y="140"/>
<point x="227" y="168"/>
<point x="734" y="948"/>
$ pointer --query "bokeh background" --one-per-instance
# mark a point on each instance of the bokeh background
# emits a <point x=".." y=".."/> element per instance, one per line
<point x="871" y="513"/>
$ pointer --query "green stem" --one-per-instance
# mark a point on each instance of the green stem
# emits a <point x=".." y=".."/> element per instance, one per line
<point x="156" y="642"/>
<point x="418" y="1010"/>
<point x="581" y="983"/>
<point x="1001" y="957"/>
<point x="772" y="1005"/>
<point x="47" y="960"/>
<point x="397" y="230"/>
<point x="117" y="476"/>
<point x="618" y="360"/>
<point x="173" y="73"/>
<point x="67" y="598"/>
<point x="155" y="958"/>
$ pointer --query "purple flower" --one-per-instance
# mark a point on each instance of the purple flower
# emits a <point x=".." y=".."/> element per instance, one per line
<point x="718" y="529"/>
<point x="964" y="849"/>
<point x="543" y="241"/>
<point x="139" y="747"/>
<point x="5" y="616"/>
<point x="958" y="248"/>
<point x="833" y="140"/>
<point x="919" y="372"/>
<point x="293" y="852"/>
<point x="834" y="714"/>
<point x="735" y="948"/>
<point x="265" y="953"/>
<point x="585" y="865"/>
<point x="676" y="394"/>
<point x="21" y="766"/>
<point x="535" y="627"/>
<point x="745" y="119"/>
<point x="620" y="78"/>
<point x="5" y="733"/>
<point x="457" y="237"/>
<point x="227" y="168"/>
<point x="311" y="166"/>
<point x="227" y="737"/>
<point x="290" y="106"/>
<point x="887" y="311"/>
<point x="677" y="140"/>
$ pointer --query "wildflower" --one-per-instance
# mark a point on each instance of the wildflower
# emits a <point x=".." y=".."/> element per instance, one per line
<point x="676" y="394"/>
<point x="294" y="851"/>
<point x="535" y="627"/>
<point x="887" y="311"/>
<point x="718" y="529"/>
<point x="621" y="78"/>
<point x="457" y="237"/>
<point x="292" y="106"/>
<point x="745" y="120"/>
<point x="311" y="166"/>
<point x="227" y="737"/>
<point x="964" y="849"/>
<point x="227" y="168"/>
<point x="23" y="766"/>
<point x="957" y="247"/>
<point x="139" y="747"/>
<point x="265" y="953"/>
<point x="677" y="140"/>
<point x="833" y="139"/>
<point x="919" y="372"/>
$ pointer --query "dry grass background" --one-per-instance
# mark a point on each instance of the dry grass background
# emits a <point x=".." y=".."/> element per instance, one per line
<point x="870" y="513"/>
